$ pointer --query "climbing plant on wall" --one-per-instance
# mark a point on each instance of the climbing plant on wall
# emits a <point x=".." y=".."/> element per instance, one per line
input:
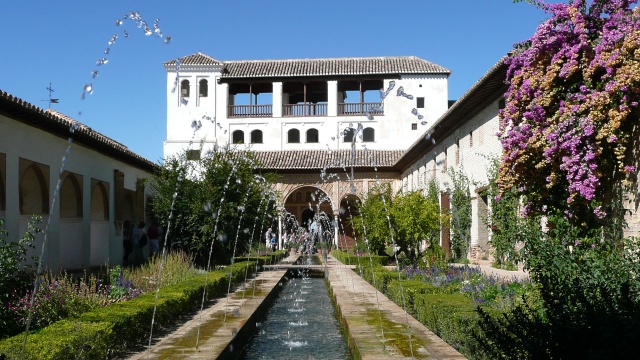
<point x="569" y="127"/>
<point x="460" y="214"/>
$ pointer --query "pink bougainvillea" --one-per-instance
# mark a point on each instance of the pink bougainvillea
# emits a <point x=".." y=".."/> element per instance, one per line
<point x="567" y="125"/>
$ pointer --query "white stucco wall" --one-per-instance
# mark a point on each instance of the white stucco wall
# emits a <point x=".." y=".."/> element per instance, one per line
<point x="474" y="160"/>
<point x="68" y="241"/>
<point x="395" y="124"/>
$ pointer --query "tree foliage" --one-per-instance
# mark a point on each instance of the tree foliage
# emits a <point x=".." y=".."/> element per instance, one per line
<point x="587" y="303"/>
<point x="569" y="127"/>
<point x="214" y="204"/>
<point x="374" y="221"/>
<point x="407" y="217"/>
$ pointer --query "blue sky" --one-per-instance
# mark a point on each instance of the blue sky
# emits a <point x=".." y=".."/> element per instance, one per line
<point x="60" y="42"/>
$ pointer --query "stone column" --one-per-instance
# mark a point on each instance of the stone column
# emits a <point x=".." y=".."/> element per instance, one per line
<point x="280" y="243"/>
<point x="277" y="99"/>
<point x="332" y="98"/>
<point x="335" y="229"/>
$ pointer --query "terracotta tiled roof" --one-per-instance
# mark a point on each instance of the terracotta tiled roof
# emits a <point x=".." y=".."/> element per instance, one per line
<point x="195" y="59"/>
<point x="316" y="67"/>
<point x="319" y="159"/>
<point x="331" y="67"/>
<point x="61" y="125"/>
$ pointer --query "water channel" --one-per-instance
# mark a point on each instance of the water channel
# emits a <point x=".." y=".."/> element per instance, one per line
<point x="301" y="323"/>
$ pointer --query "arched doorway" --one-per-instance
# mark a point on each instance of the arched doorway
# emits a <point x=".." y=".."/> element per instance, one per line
<point x="347" y="214"/>
<point x="306" y="205"/>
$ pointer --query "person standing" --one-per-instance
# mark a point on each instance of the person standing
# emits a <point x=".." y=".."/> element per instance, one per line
<point x="267" y="237"/>
<point x="153" y="233"/>
<point x="136" y="235"/>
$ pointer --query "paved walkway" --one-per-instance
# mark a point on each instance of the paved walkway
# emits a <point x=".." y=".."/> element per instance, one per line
<point x="376" y="326"/>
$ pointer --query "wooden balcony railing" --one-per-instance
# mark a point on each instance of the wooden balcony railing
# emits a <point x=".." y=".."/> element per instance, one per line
<point x="360" y="108"/>
<point x="304" y="110"/>
<point x="250" y="111"/>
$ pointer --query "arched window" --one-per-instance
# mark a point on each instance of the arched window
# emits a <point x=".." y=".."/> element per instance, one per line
<point x="293" y="136"/>
<point x="348" y="135"/>
<point x="238" y="137"/>
<point x="312" y="136"/>
<point x="99" y="203"/>
<point x="34" y="194"/>
<point x="256" y="137"/>
<point x="368" y="135"/>
<point x="184" y="88"/>
<point x="204" y="88"/>
<point x="71" y="197"/>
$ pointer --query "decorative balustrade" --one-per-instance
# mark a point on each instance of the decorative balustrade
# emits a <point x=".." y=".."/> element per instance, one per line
<point x="300" y="110"/>
<point x="250" y="111"/>
<point x="373" y="108"/>
<point x="304" y="110"/>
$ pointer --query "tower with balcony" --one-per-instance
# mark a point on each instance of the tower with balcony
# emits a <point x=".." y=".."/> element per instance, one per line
<point x="378" y="103"/>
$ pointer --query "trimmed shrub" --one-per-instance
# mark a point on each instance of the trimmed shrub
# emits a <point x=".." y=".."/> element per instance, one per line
<point x="108" y="331"/>
<point x="364" y="259"/>
<point x="410" y="288"/>
<point x="453" y="318"/>
<point x="379" y="277"/>
<point x="65" y="339"/>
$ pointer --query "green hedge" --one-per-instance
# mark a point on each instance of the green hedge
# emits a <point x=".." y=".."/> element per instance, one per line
<point x="270" y="258"/>
<point x="379" y="277"/>
<point x="364" y="260"/>
<point x="453" y="318"/>
<point x="410" y="288"/>
<point x="108" y="331"/>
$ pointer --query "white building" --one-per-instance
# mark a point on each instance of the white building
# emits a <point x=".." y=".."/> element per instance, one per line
<point x="463" y="139"/>
<point x="101" y="185"/>
<point x="302" y="104"/>
<point x="305" y="116"/>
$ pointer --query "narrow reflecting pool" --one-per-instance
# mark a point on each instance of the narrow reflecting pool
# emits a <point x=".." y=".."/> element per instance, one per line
<point x="301" y="324"/>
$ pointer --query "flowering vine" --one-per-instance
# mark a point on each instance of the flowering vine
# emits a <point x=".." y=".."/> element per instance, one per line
<point x="572" y="107"/>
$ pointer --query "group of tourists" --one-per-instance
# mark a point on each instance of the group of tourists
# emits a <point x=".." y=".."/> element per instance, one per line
<point x="135" y="237"/>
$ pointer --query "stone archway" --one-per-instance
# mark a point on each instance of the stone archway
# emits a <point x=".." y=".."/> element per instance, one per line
<point x="304" y="204"/>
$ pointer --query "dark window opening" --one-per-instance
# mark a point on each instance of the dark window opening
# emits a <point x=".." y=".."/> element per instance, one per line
<point x="193" y="154"/>
<point x="204" y="88"/>
<point x="256" y="137"/>
<point x="238" y="137"/>
<point x="184" y="88"/>
<point x="368" y="135"/>
<point x="414" y="126"/>
<point x="293" y="136"/>
<point x="312" y="136"/>
<point x="348" y="135"/>
<point x="471" y="139"/>
<point x="420" y="102"/>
